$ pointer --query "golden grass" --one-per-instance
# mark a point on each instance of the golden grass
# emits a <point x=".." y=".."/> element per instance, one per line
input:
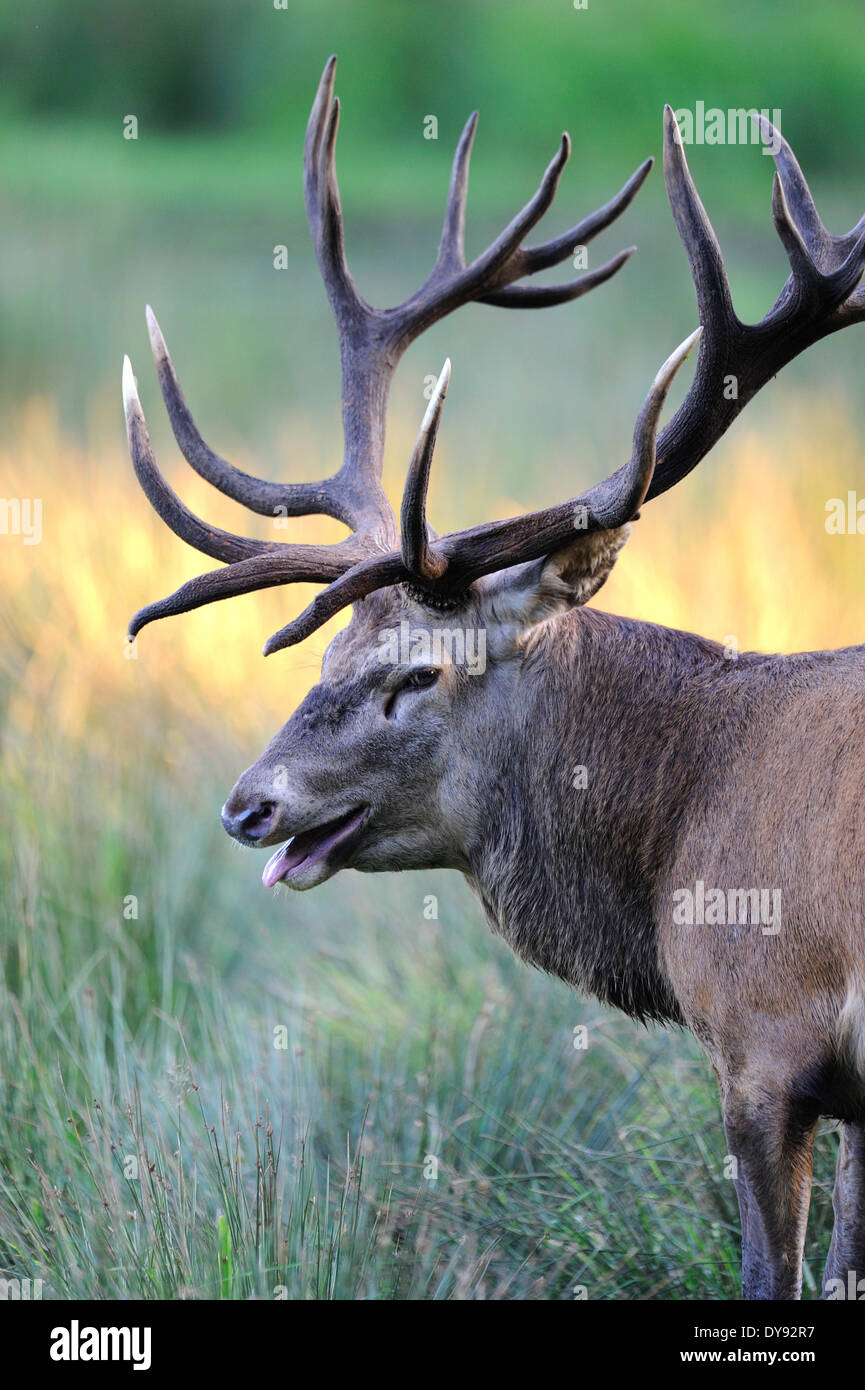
<point x="740" y="550"/>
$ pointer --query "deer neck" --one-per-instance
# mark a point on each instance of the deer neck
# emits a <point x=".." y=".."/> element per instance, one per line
<point x="584" y="802"/>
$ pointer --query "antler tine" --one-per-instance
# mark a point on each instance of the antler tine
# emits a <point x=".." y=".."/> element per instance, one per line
<point x="737" y="359"/>
<point x="311" y="564"/>
<point x="802" y="266"/>
<point x="797" y="194"/>
<point x="714" y="302"/>
<point x="528" y="216"/>
<point x="609" y="504"/>
<point x="551" y="252"/>
<point x="221" y="545"/>
<point x="490" y="277"/>
<point x="419" y="558"/>
<point x="451" y="253"/>
<point x="818" y="279"/>
<point x="366" y="362"/>
<point x="356" y="583"/>
<point x="546" y="296"/>
<point x="616" y="501"/>
<point x="321" y="193"/>
<point x="527" y="260"/>
<point x="266" y="498"/>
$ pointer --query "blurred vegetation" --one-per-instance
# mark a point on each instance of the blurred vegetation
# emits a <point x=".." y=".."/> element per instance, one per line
<point x="205" y="65"/>
<point x="154" y="1034"/>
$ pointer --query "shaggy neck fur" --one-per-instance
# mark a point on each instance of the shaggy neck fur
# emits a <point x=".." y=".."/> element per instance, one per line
<point x="570" y="876"/>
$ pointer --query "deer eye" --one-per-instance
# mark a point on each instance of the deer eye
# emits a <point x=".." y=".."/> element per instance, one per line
<point x="419" y="679"/>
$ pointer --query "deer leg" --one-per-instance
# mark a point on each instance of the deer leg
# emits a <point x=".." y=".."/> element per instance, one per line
<point x="771" y="1140"/>
<point x="847" y="1250"/>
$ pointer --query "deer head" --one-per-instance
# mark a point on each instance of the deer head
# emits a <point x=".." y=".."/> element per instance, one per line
<point x="384" y="765"/>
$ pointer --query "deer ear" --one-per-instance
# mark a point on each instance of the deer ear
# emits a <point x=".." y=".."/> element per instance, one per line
<point x="541" y="589"/>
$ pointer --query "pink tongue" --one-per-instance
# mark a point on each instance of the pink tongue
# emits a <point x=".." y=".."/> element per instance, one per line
<point x="279" y="864"/>
<point x="309" y="845"/>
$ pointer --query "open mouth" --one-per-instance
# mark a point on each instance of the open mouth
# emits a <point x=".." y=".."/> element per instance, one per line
<point x="312" y="846"/>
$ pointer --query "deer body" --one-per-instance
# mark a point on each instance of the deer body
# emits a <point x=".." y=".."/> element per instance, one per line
<point x="740" y="778"/>
<point x="675" y="832"/>
<point x="737" y="774"/>
<point x="700" y="770"/>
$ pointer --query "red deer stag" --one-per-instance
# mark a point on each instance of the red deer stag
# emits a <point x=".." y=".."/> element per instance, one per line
<point x="710" y="872"/>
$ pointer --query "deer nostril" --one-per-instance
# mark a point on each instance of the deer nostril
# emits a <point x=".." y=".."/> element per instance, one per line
<point x="259" y="818"/>
<point x="252" y="822"/>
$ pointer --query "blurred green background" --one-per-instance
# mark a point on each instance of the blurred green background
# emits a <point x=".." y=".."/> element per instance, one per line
<point x="151" y="1036"/>
<point x="186" y="216"/>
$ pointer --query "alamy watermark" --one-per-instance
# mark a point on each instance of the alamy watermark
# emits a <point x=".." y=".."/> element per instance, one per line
<point x="845" y="518"/>
<point x="77" y="1343"/>
<point x="732" y="127"/>
<point x="17" y="1290"/>
<point x="22" y="516"/>
<point x="434" y="646"/>
<point x="853" y="1289"/>
<point x="719" y="907"/>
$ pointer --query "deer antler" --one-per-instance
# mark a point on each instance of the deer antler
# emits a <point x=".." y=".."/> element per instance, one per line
<point x="818" y="298"/>
<point x="371" y="344"/>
